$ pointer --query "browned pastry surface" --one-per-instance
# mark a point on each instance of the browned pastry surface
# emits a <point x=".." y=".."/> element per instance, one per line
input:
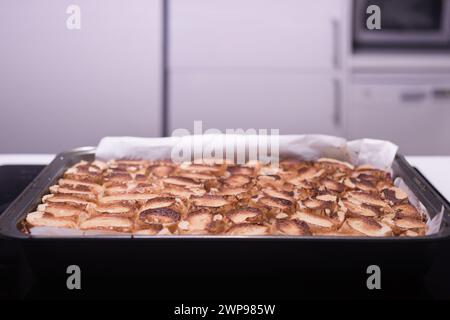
<point x="297" y="198"/>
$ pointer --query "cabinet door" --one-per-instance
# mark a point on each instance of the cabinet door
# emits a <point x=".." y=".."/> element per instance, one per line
<point x="62" y="88"/>
<point x="295" y="104"/>
<point x="255" y="33"/>
<point x="412" y="112"/>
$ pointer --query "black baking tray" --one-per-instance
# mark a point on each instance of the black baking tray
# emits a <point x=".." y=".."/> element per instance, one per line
<point x="168" y="267"/>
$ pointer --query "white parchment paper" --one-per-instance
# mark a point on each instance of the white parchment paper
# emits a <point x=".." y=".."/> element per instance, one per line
<point x="377" y="153"/>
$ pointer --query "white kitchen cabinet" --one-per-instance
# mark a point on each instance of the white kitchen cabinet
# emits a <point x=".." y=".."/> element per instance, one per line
<point x="249" y="34"/>
<point x="292" y="103"/>
<point x="257" y="64"/>
<point x="411" y="110"/>
<point x="62" y="88"/>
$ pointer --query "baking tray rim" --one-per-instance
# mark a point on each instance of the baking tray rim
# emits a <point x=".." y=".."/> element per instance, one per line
<point x="33" y="193"/>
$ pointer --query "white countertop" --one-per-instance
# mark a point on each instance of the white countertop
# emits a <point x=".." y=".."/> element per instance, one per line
<point x="435" y="168"/>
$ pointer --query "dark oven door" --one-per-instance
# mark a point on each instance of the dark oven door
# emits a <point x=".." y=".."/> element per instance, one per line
<point x="404" y="23"/>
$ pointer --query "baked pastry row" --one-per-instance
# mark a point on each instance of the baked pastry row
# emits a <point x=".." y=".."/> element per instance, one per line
<point x="300" y="198"/>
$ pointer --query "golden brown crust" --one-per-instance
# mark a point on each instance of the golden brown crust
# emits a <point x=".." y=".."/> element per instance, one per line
<point x="244" y="215"/>
<point x="297" y="198"/>
<point x="248" y="229"/>
<point x="293" y="227"/>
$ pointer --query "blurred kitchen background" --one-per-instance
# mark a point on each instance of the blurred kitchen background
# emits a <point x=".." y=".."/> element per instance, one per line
<point x="147" y="67"/>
